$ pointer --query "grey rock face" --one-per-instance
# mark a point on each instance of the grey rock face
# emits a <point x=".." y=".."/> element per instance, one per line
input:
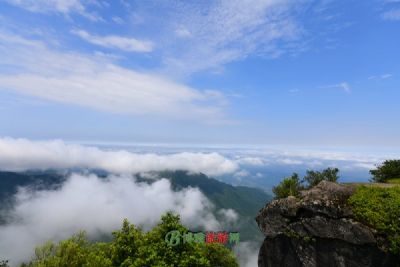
<point x="318" y="229"/>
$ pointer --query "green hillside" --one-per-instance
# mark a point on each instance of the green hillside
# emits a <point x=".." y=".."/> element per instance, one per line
<point x="10" y="181"/>
<point x="246" y="201"/>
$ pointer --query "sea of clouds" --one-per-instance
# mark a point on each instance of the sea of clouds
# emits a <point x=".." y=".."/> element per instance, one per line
<point x="98" y="205"/>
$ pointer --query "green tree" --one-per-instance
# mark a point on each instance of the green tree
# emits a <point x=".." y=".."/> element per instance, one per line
<point x="132" y="247"/>
<point x="385" y="171"/>
<point x="289" y="186"/>
<point x="313" y="178"/>
<point x="3" y="263"/>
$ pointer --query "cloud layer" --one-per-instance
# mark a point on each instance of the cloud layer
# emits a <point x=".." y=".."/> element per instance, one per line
<point x="23" y="154"/>
<point x="98" y="206"/>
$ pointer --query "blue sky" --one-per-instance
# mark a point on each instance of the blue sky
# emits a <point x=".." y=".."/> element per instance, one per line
<point x="304" y="73"/>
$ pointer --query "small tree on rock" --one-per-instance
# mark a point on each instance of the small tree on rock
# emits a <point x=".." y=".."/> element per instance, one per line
<point x="290" y="186"/>
<point x="313" y="178"/>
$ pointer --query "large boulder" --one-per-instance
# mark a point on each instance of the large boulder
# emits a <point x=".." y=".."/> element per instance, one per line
<point x="319" y="229"/>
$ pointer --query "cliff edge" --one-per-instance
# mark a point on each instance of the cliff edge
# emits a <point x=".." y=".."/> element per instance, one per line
<point x="319" y="229"/>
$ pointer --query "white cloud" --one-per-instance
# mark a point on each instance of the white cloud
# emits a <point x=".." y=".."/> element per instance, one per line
<point x="23" y="154"/>
<point x="119" y="42"/>
<point x="259" y="175"/>
<point x="242" y="173"/>
<point x="95" y="81"/>
<point x="364" y="165"/>
<point x="380" y="77"/>
<point x="118" y="20"/>
<point x="86" y="203"/>
<point x="318" y="158"/>
<point x="229" y="215"/>
<point x="60" y="6"/>
<point x="393" y="14"/>
<point x="343" y="86"/>
<point x="248" y="253"/>
<point x="254" y="161"/>
<point x="290" y="161"/>
<point x="183" y="32"/>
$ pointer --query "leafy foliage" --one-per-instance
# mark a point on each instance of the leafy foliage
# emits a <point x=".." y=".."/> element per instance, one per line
<point x="3" y="263"/>
<point x="290" y="186"/>
<point x="313" y="178"/>
<point x="387" y="170"/>
<point x="134" y="248"/>
<point x="379" y="207"/>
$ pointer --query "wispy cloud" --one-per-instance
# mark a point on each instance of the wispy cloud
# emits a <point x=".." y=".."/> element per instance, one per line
<point x="224" y="31"/>
<point x="196" y="36"/>
<point x="393" y="14"/>
<point x="118" y="20"/>
<point x="391" y="10"/>
<point x="294" y="91"/>
<point x="380" y="77"/>
<point x="64" y="7"/>
<point x="343" y="86"/>
<point x="97" y="82"/>
<point x="113" y="41"/>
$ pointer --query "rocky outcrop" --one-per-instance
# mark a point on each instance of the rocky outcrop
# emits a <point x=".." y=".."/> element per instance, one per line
<point x="319" y="229"/>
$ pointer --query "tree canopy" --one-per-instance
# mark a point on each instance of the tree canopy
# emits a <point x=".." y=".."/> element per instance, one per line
<point x="132" y="247"/>
<point x="313" y="178"/>
<point x="387" y="170"/>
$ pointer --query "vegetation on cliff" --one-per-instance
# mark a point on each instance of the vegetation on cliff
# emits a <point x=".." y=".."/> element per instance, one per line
<point x="291" y="186"/>
<point x="321" y="227"/>
<point x="132" y="247"/>
<point x="379" y="207"/>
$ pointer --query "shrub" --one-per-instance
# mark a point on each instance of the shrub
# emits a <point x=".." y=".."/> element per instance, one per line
<point x="380" y="208"/>
<point x="289" y="186"/>
<point x="387" y="170"/>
